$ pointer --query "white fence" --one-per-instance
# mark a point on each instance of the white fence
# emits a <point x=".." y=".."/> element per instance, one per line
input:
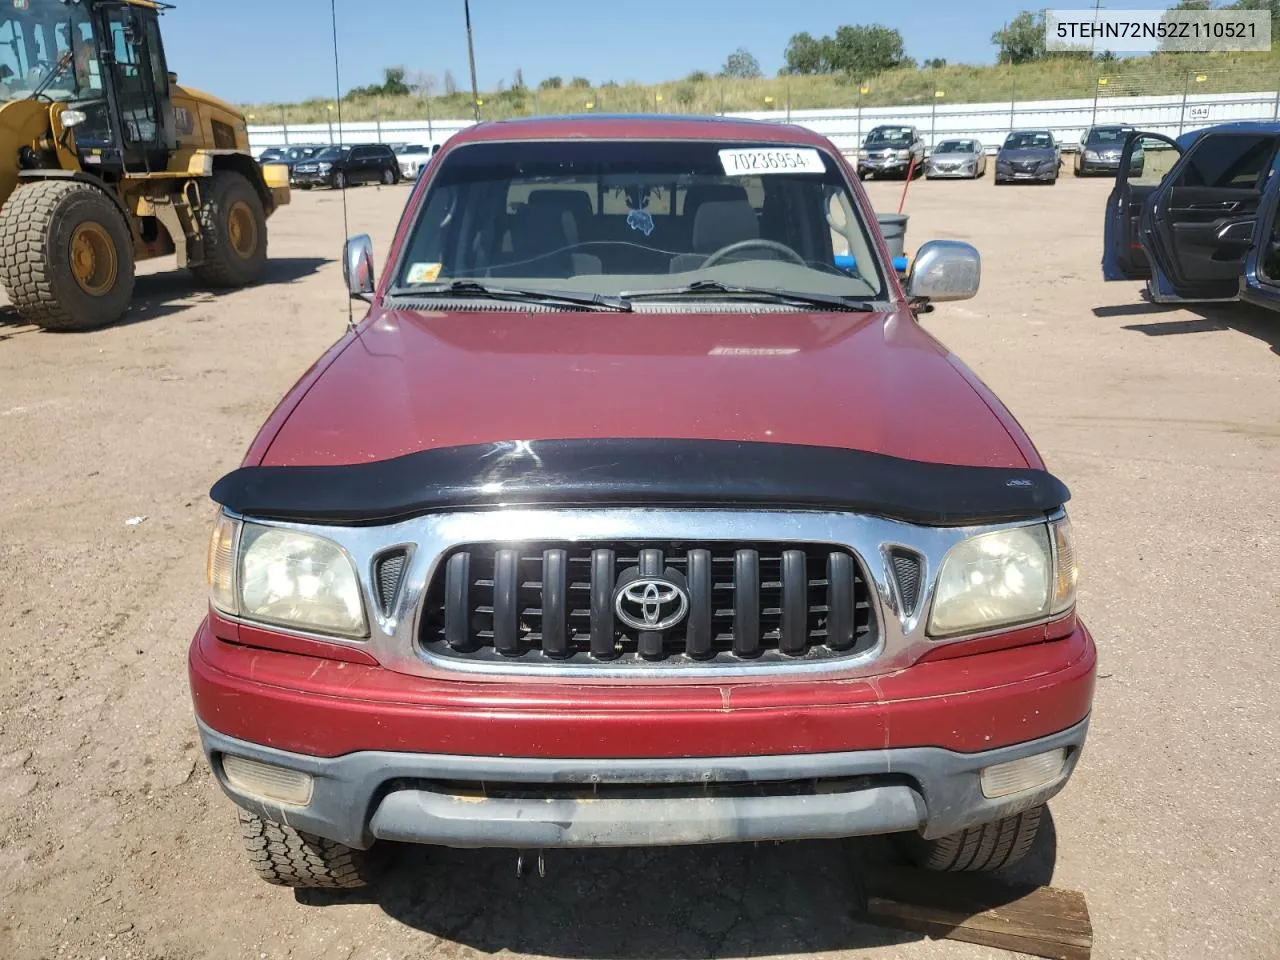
<point x="987" y="122"/>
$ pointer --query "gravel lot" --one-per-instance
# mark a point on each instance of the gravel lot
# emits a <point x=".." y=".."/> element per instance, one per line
<point x="115" y="842"/>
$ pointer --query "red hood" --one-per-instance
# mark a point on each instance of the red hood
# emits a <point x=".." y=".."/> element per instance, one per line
<point x="412" y="381"/>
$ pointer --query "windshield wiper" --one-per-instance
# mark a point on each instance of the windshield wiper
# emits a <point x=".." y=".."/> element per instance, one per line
<point x="473" y="288"/>
<point x="758" y="293"/>
<point x="58" y="69"/>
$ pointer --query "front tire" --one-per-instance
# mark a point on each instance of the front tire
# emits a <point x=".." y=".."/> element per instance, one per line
<point x="988" y="846"/>
<point x="66" y="255"/>
<point x="234" y="226"/>
<point x="339" y="180"/>
<point x="290" y="858"/>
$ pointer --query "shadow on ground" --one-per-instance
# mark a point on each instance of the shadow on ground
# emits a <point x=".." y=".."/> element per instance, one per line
<point x="158" y="295"/>
<point x="1257" y="322"/>
<point x="741" y="900"/>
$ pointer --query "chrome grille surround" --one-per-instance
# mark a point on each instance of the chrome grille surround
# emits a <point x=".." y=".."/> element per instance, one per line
<point x="394" y="635"/>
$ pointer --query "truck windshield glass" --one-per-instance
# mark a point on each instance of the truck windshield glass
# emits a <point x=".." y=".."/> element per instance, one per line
<point x="890" y="135"/>
<point x="612" y="216"/>
<point x="46" y="46"/>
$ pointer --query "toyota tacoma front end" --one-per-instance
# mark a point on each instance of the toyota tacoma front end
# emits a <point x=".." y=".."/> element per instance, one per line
<point x="619" y="551"/>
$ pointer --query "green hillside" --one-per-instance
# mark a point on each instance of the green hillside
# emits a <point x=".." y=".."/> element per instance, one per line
<point x="1054" y="78"/>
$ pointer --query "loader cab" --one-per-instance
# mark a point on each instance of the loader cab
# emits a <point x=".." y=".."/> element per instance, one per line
<point x="104" y="60"/>
<point x="130" y="124"/>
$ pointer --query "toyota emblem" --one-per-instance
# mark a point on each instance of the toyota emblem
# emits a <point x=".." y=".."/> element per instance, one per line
<point x="651" y="603"/>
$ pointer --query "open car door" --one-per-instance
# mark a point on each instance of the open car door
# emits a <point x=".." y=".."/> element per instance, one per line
<point x="1261" y="283"/>
<point x="1196" y="227"/>
<point x="1146" y="160"/>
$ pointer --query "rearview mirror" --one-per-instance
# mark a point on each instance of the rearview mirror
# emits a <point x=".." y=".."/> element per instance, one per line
<point x="944" y="270"/>
<point x="357" y="266"/>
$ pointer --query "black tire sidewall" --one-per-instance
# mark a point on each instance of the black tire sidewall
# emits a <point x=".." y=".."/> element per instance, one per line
<point x="222" y="266"/>
<point x="76" y="207"/>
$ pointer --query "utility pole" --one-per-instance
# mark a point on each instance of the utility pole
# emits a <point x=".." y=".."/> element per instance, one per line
<point x="471" y="55"/>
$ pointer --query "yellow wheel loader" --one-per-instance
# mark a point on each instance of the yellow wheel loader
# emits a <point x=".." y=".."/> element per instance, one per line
<point x="105" y="160"/>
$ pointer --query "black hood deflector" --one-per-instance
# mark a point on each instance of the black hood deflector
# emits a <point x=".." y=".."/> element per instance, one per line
<point x="640" y="472"/>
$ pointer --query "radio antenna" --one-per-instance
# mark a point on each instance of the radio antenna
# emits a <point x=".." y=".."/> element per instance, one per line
<point x="337" y="89"/>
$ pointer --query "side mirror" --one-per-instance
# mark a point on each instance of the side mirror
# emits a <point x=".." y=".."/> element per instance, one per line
<point x="357" y="266"/>
<point x="944" y="270"/>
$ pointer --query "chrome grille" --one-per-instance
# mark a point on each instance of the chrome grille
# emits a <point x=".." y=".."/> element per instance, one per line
<point x="558" y="604"/>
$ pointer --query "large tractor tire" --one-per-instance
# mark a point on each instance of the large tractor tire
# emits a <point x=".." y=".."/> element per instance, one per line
<point x="66" y="255"/>
<point x="234" y="226"/>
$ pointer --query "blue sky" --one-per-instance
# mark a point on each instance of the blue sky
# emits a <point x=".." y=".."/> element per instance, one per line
<point x="263" y="50"/>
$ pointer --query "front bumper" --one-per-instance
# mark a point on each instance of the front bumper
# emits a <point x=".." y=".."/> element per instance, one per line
<point x="966" y="173"/>
<point x="884" y="166"/>
<point x="531" y="802"/>
<point x="311" y="179"/>
<point x="1029" y="176"/>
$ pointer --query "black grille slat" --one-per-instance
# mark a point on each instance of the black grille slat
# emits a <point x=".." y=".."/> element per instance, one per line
<point x="697" y="642"/>
<point x="506" y="602"/>
<point x="603" y="577"/>
<point x="549" y="603"/>
<point x="746" y="603"/>
<point x="840" y="615"/>
<point x="457" y="608"/>
<point x="650" y="642"/>
<point x="793" y="632"/>
<point x="555" y="622"/>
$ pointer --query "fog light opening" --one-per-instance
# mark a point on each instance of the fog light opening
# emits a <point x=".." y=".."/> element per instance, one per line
<point x="267" y="780"/>
<point x="1017" y="776"/>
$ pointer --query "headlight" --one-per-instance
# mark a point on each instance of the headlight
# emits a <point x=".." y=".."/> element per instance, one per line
<point x="862" y="154"/>
<point x="1091" y="155"/>
<point x="284" y="577"/>
<point x="904" y="154"/>
<point x="325" y="167"/>
<point x="994" y="580"/>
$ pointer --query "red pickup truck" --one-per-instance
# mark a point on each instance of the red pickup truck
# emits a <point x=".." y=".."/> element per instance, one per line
<point x="626" y="516"/>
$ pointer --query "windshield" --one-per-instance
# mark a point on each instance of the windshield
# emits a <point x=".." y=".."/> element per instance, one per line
<point x="47" y="45"/>
<point x="300" y="153"/>
<point x="416" y="148"/>
<point x="1114" y="135"/>
<point x="954" y="146"/>
<point x="331" y="153"/>
<point x="612" y="216"/>
<point x="889" y="135"/>
<point x="1023" y="140"/>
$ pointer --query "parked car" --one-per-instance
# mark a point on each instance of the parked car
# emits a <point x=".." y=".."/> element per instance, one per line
<point x="1198" y="223"/>
<point x="891" y="149"/>
<point x="837" y="611"/>
<point x="1028" y="155"/>
<point x="956" y="158"/>
<point x="1099" y="151"/>
<point x="338" y="167"/>
<point x="298" y="153"/>
<point x="413" y="158"/>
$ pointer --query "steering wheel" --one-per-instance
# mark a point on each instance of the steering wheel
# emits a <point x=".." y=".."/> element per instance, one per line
<point x="770" y="245"/>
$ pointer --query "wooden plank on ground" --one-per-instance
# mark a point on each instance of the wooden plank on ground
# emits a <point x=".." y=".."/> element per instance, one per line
<point x="1040" y="921"/>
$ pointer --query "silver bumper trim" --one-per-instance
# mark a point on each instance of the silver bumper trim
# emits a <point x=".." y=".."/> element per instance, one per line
<point x="370" y="795"/>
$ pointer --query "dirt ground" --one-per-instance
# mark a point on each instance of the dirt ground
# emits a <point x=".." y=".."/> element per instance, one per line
<point x="115" y="842"/>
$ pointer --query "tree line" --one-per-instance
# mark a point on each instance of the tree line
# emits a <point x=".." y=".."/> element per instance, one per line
<point x="856" y="51"/>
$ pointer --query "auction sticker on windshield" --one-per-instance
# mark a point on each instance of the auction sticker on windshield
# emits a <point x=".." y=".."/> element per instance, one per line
<point x="741" y="163"/>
